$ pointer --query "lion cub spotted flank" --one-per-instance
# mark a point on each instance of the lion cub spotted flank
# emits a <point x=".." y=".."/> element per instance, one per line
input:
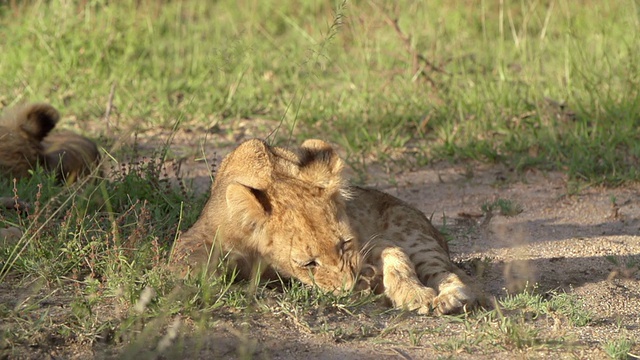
<point x="292" y="212"/>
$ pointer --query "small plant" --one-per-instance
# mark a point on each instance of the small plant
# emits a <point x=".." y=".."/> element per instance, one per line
<point x="445" y="229"/>
<point x="303" y="297"/>
<point x="619" y="349"/>
<point x="537" y="305"/>
<point x="415" y="336"/>
<point x="454" y="345"/>
<point x="624" y="268"/>
<point x="514" y="332"/>
<point x="503" y="207"/>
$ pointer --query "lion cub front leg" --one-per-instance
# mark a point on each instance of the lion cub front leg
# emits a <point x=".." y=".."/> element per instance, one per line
<point x="454" y="295"/>
<point x="445" y="291"/>
<point x="401" y="284"/>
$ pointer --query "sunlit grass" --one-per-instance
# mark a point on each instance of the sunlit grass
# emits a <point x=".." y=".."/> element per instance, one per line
<point x="546" y="84"/>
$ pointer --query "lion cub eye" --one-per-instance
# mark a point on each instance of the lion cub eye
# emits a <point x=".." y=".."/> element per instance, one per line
<point x="344" y="245"/>
<point x="309" y="264"/>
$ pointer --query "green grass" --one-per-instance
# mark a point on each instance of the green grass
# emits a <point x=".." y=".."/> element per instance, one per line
<point x="551" y="85"/>
<point x="524" y="322"/>
<point x="562" y="304"/>
<point x="503" y="207"/>
<point x="544" y="84"/>
<point x="619" y="349"/>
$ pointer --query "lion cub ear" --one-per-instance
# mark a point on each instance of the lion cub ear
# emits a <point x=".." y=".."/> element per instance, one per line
<point x="320" y="165"/>
<point x="249" y="172"/>
<point x="37" y="120"/>
<point x="249" y="206"/>
<point x="250" y="164"/>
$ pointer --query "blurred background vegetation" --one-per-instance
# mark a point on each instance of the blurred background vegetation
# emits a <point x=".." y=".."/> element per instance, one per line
<point x="548" y="84"/>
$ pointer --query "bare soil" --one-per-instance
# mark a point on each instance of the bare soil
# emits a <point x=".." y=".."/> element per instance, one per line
<point x="586" y="244"/>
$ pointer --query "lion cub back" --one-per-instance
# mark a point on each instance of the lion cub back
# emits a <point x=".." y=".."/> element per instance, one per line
<point x="408" y="255"/>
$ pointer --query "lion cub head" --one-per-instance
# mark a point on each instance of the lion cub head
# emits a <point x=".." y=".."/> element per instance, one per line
<point x="21" y="133"/>
<point x="287" y="208"/>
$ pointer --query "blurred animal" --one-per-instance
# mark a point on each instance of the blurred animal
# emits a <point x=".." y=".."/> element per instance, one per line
<point x="26" y="140"/>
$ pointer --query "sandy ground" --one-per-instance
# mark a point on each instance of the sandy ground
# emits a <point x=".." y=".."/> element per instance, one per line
<point x="586" y="243"/>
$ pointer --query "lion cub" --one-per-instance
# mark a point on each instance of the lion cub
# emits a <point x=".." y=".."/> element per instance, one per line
<point x="293" y="213"/>
<point x="26" y="140"/>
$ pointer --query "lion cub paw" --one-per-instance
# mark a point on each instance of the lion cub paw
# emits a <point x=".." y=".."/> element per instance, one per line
<point x="420" y="300"/>
<point x="454" y="299"/>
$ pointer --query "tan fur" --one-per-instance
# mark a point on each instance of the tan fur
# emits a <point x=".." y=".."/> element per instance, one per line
<point x="70" y="155"/>
<point x="26" y="140"/>
<point x="21" y="133"/>
<point x="293" y="212"/>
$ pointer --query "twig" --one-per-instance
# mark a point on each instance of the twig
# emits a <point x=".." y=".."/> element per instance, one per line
<point x="416" y="58"/>
<point x="107" y="112"/>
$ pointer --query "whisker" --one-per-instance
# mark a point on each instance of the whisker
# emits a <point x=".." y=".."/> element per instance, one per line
<point x="346" y="192"/>
<point x="367" y="247"/>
